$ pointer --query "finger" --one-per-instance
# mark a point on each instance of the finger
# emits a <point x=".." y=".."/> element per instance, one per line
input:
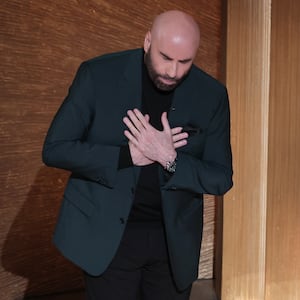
<point x="179" y="137"/>
<point x="165" y="122"/>
<point x="131" y="126"/>
<point x="131" y="137"/>
<point x="135" y="120"/>
<point x="180" y="143"/>
<point x="141" y="117"/>
<point x="176" y="130"/>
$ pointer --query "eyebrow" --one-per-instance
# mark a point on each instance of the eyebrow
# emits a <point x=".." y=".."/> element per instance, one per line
<point x="181" y="60"/>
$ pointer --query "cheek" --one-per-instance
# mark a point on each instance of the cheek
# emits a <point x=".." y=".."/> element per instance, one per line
<point x="183" y="70"/>
<point x="159" y="67"/>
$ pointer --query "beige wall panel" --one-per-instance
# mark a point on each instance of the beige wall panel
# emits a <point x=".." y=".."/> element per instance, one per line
<point x="247" y="78"/>
<point x="42" y="44"/>
<point x="283" y="230"/>
<point x="261" y="214"/>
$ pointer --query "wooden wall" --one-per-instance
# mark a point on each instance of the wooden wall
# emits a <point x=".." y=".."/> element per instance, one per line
<point x="283" y="208"/>
<point x="261" y="213"/>
<point x="42" y="44"/>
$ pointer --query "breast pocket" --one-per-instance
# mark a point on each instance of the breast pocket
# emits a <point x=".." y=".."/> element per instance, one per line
<point x="195" y="141"/>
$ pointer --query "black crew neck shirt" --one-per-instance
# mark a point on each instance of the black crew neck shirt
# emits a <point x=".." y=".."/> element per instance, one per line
<point x="147" y="200"/>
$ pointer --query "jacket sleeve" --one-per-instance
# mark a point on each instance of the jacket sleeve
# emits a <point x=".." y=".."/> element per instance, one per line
<point x="212" y="173"/>
<point x="66" y="145"/>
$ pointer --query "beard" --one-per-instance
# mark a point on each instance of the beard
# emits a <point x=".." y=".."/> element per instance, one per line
<point x="156" y="77"/>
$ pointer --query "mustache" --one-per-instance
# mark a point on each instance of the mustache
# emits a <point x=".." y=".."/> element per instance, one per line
<point x="168" y="77"/>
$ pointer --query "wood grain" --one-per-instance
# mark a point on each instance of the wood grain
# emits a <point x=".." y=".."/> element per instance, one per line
<point x="247" y="77"/>
<point x="261" y="213"/>
<point x="283" y="222"/>
<point x="42" y="44"/>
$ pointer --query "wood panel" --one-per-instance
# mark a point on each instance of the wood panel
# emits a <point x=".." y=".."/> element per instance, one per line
<point x="247" y="78"/>
<point x="283" y="222"/>
<point x="261" y="216"/>
<point x="42" y="44"/>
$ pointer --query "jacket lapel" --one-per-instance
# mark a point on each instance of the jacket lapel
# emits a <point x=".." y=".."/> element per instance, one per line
<point x="180" y="110"/>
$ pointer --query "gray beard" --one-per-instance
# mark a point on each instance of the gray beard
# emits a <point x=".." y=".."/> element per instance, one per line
<point x="155" y="77"/>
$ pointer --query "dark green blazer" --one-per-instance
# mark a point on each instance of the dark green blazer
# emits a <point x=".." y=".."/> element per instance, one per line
<point x="85" y="138"/>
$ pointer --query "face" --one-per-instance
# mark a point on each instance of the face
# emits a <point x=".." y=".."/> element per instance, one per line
<point x="168" y="63"/>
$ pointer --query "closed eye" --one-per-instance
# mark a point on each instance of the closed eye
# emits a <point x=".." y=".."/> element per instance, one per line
<point x="168" y="58"/>
<point x="185" y="61"/>
<point x="165" y="57"/>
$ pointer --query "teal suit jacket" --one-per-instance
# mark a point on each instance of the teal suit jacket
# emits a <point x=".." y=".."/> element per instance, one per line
<point x="85" y="138"/>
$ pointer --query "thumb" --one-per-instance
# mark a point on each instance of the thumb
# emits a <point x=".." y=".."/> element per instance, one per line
<point x="165" y="122"/>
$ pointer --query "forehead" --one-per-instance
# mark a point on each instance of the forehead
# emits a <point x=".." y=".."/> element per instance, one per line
<point x="175" y="47"/>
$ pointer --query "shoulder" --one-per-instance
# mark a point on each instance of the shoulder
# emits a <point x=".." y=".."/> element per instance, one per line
<point x="204" y="81"/>
<point x="205" y="90"/>
<point x="114" y="59"/>
<point x="111" y="65"/>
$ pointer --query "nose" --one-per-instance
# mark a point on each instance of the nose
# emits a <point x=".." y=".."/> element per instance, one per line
<point x="172" y="70"/>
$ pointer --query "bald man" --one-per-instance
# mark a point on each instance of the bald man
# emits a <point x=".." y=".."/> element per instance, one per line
<point x="145" y="133"/>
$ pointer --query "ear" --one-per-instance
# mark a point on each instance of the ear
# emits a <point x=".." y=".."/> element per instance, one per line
<point x="147" y="41"/>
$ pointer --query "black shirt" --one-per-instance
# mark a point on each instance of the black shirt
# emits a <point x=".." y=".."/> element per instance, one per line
<point x="147" y="201"/>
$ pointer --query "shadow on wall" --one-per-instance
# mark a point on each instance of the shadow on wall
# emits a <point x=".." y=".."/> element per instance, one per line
<point x="28" y="250"/>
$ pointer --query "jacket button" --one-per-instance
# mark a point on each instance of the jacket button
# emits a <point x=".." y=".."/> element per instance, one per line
<point x="122" y="221"/>
<point x="132" y="191"/>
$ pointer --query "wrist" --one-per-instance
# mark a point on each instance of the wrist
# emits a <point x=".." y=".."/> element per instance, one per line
<point x="170" y="163"/>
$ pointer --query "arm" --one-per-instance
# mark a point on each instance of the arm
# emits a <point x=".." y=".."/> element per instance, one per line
<point x="67" y="146"/>
<point x="212" y="173"/>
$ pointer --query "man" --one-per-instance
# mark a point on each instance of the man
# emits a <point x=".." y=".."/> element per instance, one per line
<point x="145" y="134"/>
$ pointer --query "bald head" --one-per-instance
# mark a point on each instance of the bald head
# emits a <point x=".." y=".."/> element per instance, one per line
<point x="170" y="48"/>
<point x="176" y="26"/>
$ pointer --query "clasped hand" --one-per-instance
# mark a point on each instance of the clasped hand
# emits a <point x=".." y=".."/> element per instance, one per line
<point x="147" y="144"/>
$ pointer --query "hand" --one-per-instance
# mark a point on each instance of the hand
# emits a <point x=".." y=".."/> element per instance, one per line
<point x="153" y="144"/>
<point x="137" y="157"/>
